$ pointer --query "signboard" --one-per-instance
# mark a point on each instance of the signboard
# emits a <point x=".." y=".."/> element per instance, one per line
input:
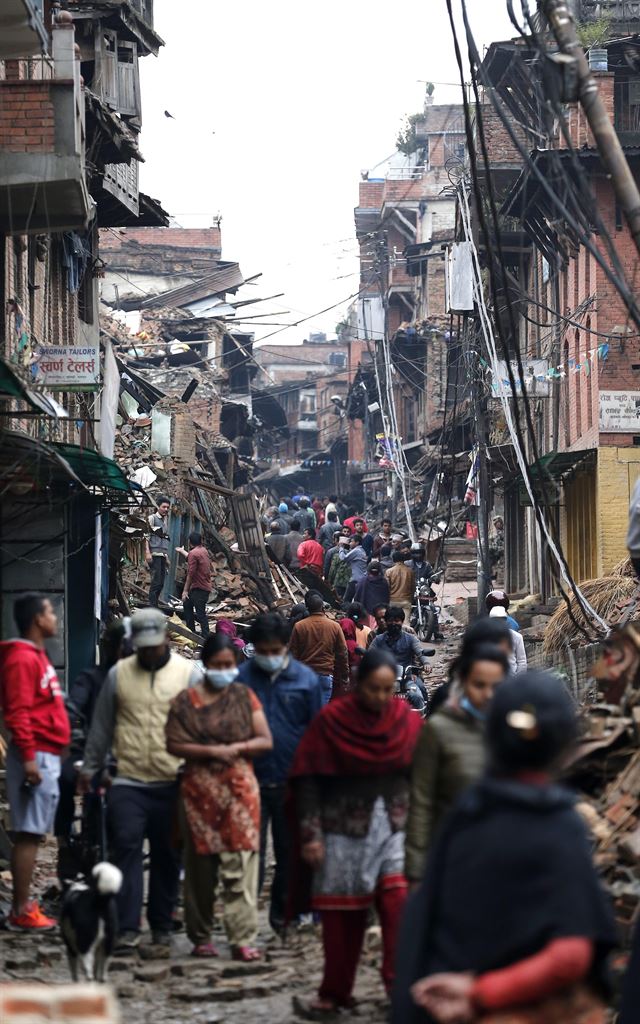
<point x="620" y="411"/>
<point x="67" y="367"/>
<point x="535" y="378"/>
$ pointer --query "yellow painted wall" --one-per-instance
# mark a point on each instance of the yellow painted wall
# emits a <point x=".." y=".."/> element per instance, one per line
<point x="579" y="523"/>
<point x="618" y="470"/>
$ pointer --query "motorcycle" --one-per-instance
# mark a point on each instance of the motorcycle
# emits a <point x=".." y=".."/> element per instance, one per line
<point x="411" y="688"/>
<point x="425" y="611"/>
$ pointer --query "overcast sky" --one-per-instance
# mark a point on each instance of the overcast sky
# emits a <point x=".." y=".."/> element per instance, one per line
<point x="300" y="101"/>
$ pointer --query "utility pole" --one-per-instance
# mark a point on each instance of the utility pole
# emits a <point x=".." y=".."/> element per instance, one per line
<point x="483" y="498"/>
<point x="560" y="18"/>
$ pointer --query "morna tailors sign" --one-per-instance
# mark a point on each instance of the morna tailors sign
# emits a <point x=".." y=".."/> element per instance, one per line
<point x="620" y="412"/>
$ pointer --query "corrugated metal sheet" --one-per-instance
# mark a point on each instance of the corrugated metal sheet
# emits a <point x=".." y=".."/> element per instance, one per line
<point x="226" y="278"/>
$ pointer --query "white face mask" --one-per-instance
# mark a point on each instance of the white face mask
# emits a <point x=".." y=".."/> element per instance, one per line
<point x="270" y="663"/>
<point x="219" y="678"/>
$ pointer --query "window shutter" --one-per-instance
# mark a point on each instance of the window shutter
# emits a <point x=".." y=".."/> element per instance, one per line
<point x="109" y="70"/>
<point x="127" y="79"/>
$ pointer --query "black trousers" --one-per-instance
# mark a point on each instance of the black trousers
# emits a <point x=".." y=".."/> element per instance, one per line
<point x="136" y="813"/>
<point x="158" y="576"/>
<point x="195" y="609"/>
<point x="272" y="809"/>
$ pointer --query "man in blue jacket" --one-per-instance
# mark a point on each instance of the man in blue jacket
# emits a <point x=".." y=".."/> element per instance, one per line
<point x="290" y="694"/>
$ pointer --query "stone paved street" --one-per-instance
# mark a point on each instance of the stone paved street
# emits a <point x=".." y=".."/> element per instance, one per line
<point x="182" y="989"/>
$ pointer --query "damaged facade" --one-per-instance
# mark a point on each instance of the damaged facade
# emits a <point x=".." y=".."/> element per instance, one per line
<point x="571" y="325"/>
<point x="70" y="117"/>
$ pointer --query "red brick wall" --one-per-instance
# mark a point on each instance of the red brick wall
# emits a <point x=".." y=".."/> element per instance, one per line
<point x="187" y="237"/>
<point x="578" y="128"/>
<point x="609" y="315"/>
<point x="26" y="116"/>
<point x="370" y="194"/>
<point x="499" y="146"/>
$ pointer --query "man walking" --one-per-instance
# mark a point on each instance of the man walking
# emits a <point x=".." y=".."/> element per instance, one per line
<point x="318" y="642"/>
<point x="35" y="716"/>
<point x="402" y="583"/>
<point x="276" y="541"/>
<point x="383" y="538"/>
<point x="366" y="539"/>
<point x="197" y="585"/>
<point x="326" y="533"/>
<point x="356" y="558"/>
<point x="130" y="719"/>
<point x="333" y="550"/>
<point x="306" y="515"/>
<point x="157" y="549"/>
<point x="294" y="539"/>
<point x="291" y="695"/>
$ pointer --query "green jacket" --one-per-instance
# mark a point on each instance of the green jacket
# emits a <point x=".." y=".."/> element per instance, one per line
<point x="449" y="756"/>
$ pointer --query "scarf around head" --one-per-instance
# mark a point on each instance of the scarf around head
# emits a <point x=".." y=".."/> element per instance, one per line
<point x="347" y="739"/>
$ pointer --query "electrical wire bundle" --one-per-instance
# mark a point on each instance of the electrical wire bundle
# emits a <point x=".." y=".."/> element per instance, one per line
<point x="574" y="204"/>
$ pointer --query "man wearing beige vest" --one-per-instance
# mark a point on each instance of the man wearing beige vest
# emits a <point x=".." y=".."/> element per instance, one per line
<point x="129" y="720"/>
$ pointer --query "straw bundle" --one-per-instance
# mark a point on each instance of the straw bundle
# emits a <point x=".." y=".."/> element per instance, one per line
<point x="604" y="595"/>
<point x="623" y="568"/>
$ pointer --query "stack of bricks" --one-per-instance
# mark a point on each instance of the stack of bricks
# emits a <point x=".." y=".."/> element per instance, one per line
<point x="58" y="1004"/>
<point x="27" y="116"/>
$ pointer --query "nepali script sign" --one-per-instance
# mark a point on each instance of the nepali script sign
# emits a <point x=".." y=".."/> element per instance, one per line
<point x="68" y="367"/>
<point x="620" y="411"/>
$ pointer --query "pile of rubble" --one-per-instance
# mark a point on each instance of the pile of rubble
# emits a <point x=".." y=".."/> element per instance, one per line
<point x="606" y="768"/>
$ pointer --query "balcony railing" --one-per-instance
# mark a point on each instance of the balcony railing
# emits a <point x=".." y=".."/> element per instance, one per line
<point x="121" y="180"/>
<point x="407" y="173"/>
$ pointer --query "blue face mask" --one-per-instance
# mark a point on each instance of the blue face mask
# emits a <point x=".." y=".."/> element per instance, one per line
<point x="472" y="709"/>
<point x="219" y="678"/>
<point x="270" y="663"/>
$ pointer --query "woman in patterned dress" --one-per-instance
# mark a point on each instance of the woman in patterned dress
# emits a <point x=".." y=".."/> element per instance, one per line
<point x="218" y="726"/>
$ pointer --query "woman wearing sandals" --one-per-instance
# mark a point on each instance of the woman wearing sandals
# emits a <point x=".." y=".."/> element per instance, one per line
<point x="351" y="784"/>
<point x="217" y="727"/>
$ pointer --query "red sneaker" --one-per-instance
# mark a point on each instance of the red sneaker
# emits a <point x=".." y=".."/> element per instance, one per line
<point x="30" y="920"/>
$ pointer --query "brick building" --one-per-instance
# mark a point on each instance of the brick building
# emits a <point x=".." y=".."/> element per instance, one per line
<point x="311" y="383"/>
<point x="403" y="224"/>
<point x="569" y="315"/>
<point x="70" y="116"/>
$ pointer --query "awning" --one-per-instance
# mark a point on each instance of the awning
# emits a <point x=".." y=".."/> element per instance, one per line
<point x="549" y="472"/>
<point x="93" y="469"/>
<point x="12" y="387"/>
<point x="42" y="464"/>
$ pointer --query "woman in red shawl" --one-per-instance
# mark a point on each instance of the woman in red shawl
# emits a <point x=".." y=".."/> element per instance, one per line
<point x="350" y="778"/>
<point x="355" y="652"/>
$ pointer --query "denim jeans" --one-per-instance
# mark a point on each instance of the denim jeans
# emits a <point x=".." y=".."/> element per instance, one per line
<point x="272" y="809"/>
<point x="327" y="687"/>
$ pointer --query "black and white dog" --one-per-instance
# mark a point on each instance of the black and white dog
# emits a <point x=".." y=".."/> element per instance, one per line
<point x="89" y="921"/>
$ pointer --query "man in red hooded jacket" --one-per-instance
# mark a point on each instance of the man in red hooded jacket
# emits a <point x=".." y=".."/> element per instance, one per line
<point x="35" y="715"/>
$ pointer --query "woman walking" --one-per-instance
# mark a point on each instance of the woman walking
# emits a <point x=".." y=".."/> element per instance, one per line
<point x="351" y="785"/>
<point x="511" y="925"/>
<point x="450" y="754"/>
<point x="354" y="651"/>
<point x="217" y="727"/>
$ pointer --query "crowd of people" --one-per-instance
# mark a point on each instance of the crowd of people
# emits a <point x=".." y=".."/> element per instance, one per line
<point x="453" y="830"/>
